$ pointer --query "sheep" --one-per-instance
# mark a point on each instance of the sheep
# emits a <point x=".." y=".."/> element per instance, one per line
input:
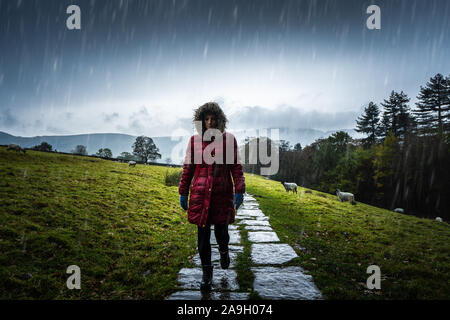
<point x="132" y="163"/>
<point x="290" y="186"/>
<point x="15" y="147"/>
<point x="345" y="196"/>
<point x="439" y="219"/>
<point x="399" y="210"/>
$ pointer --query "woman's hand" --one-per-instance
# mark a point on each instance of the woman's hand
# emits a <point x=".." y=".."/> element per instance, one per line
<point x="184" y="202"/>
<point x="238" y="198"/>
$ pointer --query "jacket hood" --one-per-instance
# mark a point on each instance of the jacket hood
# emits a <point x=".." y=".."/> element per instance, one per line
<point x="210" y="108"/>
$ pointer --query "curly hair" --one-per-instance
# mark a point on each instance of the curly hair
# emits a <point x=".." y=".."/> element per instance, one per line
<point x="210" y="108"/>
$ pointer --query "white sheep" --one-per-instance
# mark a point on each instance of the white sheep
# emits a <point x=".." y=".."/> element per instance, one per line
<point x="399" y="210"/>
<point x="290" y="186"/>
<point x="345" y="196"/>
<point x="15" y="147"/>
<point x="439" y="219"/>
<point x="132" y="163"/>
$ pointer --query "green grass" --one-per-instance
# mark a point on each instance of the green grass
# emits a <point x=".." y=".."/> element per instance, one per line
<point x="114" y="221"/>
<point x="117" y="222"/>
<point x="336" y="242"/>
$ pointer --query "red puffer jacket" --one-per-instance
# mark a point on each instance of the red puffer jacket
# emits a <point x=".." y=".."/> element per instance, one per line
<point x="211" y="190"/>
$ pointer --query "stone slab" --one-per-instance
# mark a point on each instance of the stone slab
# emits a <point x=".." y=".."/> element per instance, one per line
<point x="277" y="253"/>
<point x="262" y="236"/>
<point x="249" y="206"/>
<point x="255" y="223"/>
<point x="241" y="217"/>
<point x="289" y="283"/>
<point x="198" y="295"/>
<point x="248" y="197"/>
<point x="250" y="212"/>
<point x="258" y="228"/>
<point x="190" y="278"/>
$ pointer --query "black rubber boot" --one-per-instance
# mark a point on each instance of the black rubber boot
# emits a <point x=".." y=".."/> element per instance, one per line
<point x="206" y="278"/>
<point x="224" y="259"/>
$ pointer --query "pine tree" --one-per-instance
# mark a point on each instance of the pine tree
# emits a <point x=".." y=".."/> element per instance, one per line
<point x="446" y="107"/>
<point x="368" y="123"/>
<point x="390" y="115"/>
<point x="433" y="108"/>
<point x="405" y="120"/>
<point x="397" y="117"/>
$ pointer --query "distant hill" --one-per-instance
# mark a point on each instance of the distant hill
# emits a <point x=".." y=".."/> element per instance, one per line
<point x="118" y="142"/>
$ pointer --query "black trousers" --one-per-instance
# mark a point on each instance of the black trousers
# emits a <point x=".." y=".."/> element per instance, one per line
<point x="204" y="244"/>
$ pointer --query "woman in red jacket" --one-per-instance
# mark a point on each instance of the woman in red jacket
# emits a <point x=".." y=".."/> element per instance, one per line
<point x="211" y="191"/>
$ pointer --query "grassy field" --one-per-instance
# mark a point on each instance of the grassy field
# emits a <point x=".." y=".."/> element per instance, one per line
<point x="124" y="228"/>
<point x="336" y="242"/>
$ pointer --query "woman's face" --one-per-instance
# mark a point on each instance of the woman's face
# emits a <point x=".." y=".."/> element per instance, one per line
<point x="210" y="121"/>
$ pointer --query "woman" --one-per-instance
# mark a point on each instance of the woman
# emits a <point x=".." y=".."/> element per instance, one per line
<point x="211" y="200"/>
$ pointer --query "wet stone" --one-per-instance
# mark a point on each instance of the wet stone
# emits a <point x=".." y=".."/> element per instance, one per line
<point x="198" y="295"/>
<point x="242" y="217"/>
<point x="235" y="237"/>
<point x="249" y="206"/>
<point x="248" y="197"/>
<point x="255" y="223"/>
<point x="251" y="212"/>
<point x="190" y="278"/>
<point x="263" y="237"/>
<point x="277" y="253"/>
<point x="215" y="256"/>
<point x="258" y="228"/>
<point x="289" y="283"/>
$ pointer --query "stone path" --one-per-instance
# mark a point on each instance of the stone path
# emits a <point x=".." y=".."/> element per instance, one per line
<point x="272" y="280"/>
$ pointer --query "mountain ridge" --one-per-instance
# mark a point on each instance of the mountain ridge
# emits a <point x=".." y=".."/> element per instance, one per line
<point x="169" y="147"/>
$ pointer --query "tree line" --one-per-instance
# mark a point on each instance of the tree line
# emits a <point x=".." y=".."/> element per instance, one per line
<point x="144" y="150"/>
<point x="403" y="162"/>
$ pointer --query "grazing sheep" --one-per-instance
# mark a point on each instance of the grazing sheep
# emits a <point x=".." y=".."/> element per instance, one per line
<point x="132" y="163"/>
<point x="290" y="186"/>
<point x="15" y="147"/>
<point x="439" y="219"/>
<point x="345" y="196"/>
<point x="399" y="210"/>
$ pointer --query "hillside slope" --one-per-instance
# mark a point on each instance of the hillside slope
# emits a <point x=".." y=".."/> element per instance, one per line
<point x="121" y="225"/>
<point x="336" y="242"/>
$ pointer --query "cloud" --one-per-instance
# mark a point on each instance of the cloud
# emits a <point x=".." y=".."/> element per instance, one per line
<point x="289" y="117"/>
<point x="110" y="117"/>
<point x="8" y="119"/>
<point x="55" y="130"/>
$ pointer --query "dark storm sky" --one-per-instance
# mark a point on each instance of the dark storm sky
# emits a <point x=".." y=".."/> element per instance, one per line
<point x="140" y="67"/>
